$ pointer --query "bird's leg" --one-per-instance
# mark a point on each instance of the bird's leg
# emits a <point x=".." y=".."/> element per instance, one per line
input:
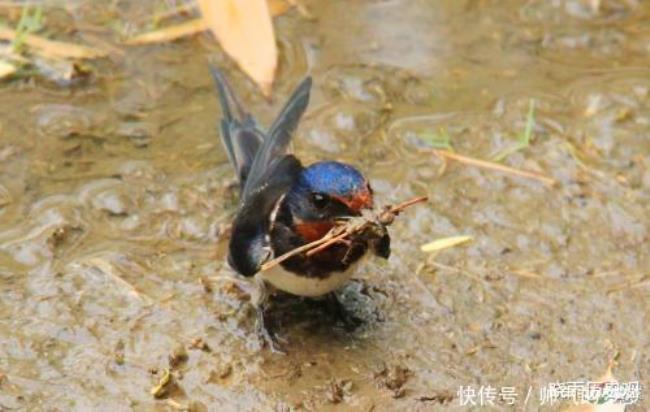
<point x="265" y="332"/>
<point x="336" y="308"/>
<point x="260" y="301"/>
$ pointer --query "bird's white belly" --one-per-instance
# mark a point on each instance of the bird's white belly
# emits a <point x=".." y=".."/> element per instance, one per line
<point x="305" y="286"/>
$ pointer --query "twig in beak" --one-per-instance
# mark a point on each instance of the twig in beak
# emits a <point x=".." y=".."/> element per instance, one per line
<point x="339" y="233"/>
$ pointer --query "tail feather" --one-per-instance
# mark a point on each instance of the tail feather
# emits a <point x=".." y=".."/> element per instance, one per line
<point x="253" y="153"/>
<point x="240" y="135"/>
<point x="278" y="137"/>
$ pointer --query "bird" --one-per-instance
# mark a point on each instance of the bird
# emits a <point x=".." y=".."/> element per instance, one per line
<point x="284" y="204"/>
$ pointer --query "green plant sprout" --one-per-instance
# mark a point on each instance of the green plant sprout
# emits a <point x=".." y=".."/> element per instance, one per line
<point x="440" y="140"/>
<point x="523" y="140"/>
<point x="30" y="22"/>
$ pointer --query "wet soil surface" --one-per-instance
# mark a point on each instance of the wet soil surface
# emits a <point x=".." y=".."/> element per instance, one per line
<point x="115" y="199"/>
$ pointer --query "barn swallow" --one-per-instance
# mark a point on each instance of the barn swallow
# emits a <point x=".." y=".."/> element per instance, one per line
<point x="284" y="205"/>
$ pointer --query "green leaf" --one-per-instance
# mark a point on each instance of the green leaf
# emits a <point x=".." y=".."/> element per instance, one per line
<point x="523" y="140"/>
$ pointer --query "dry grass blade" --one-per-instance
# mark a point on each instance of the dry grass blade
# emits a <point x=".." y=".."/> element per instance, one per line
<point x="445" y="243"/>
<point x="52" y="48"/>
<point x="173" y="12"/>
<point x="495" y="166"/>
<point x="106" y="268"/>
<point x="245" y="31"/>
<point x="526" y="274"/>
<point x="170" y="33"/>
<point x="338" y="233"/>
<point x="276" y="7"/>
<point x="630" y="284"/>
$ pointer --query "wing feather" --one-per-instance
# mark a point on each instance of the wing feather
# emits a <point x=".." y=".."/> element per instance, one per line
<point x="265" y="170"/>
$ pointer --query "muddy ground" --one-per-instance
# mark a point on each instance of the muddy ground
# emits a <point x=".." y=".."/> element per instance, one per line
<point x="115" y="199"/>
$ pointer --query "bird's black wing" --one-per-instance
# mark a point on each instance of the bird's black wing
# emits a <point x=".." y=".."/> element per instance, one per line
<point x="249" y="241"/>
<point x="265" y="170"/>
<point x="239" y="134"/>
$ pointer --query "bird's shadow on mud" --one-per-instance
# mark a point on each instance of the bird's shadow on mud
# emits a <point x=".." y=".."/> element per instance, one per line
<point x="344" y="315"/>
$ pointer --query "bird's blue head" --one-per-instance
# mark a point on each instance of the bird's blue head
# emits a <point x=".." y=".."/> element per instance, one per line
<point x="323" y="192"/>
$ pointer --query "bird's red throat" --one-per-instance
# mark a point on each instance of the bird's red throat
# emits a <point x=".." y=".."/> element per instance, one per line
<point x="311" y="231"/>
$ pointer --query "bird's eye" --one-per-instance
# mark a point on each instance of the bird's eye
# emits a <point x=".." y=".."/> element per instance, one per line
<point x="319" y="200"/>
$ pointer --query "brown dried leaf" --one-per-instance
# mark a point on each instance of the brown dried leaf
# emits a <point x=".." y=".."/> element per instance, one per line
<point x="190" y="27"/>
<point x="245" y="31"/>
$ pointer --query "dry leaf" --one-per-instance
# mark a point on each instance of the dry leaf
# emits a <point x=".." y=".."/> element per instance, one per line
<point x="191" y="27"/>
<point x="245" y="31"/>
<point x="6" y="69"/>
<point x="169" y="33"/>
<point x="161" y="389"/>
<point x="53" y="49"/>
<point x="445" y="243"/>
